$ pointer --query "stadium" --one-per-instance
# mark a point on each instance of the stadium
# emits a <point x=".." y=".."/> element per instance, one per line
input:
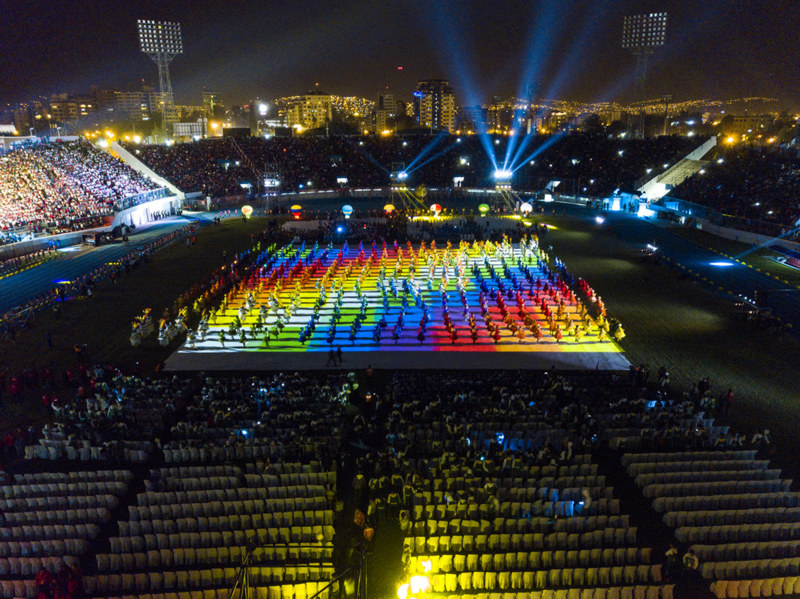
<point x="539" y="365"/>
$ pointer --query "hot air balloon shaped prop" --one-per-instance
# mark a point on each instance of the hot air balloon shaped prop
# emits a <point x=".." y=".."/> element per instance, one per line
<point x="436" y="209"/>
<point x="247" y="211"/>
<point x="347" y="210"/>
<point x="296" y="211"/>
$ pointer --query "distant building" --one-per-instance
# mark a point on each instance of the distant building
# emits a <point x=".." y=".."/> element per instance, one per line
<point x="472" y="119"/>
<point x="213" y="104"/>
<point x="134" y="105"/>
<point x="435" y="105"/>
<point x="309" y="111"/>
<point x="385" y="113"/>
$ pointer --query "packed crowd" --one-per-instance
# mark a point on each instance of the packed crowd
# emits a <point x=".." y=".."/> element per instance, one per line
<point x="753" y="184"/>
<point x="58" y="185"/>
<point x="217" y="166"/>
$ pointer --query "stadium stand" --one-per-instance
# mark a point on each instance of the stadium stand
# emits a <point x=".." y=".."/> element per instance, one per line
<point x="62" y="186"/>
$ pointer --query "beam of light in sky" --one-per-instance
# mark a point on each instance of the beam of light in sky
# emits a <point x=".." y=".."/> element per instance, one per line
<point x="553" y="139"/>
<point x="546" y="28"/>
<point x="369" y="157"/>
<point x="569" y="66"/>
<point x="426" y="150"/>
<point x="432" y="158"/>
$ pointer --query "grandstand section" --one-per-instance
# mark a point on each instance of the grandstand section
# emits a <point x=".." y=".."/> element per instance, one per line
<point x="61" y="184"/>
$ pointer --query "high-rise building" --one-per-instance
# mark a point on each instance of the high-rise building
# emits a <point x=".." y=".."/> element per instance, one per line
<point x="213" y="104"/>
<point x="385" y="113"/>
<point x="310" y="111"/>
<point x="435" y="105"/>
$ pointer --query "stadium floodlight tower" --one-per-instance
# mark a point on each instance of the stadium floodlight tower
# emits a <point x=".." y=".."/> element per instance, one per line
<point x="641" y="35"/>
<point x="161" y="41"/>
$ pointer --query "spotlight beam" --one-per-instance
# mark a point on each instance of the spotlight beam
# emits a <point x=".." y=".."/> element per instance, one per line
<point x="539" y="150"/>
<point x="441" y="135"/>
<point x="434" y="157"/>
<point x="369" y="157"/>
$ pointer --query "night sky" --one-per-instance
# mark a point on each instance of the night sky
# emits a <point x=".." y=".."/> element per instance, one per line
<point x="247" y="48"/>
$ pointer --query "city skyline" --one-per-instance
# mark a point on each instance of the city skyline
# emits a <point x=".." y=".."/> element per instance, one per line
<point x="567" y="50"/>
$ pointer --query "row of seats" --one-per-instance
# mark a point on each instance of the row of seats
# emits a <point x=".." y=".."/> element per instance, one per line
<point x="638" y="468"/>
<point x="717" y="488"/>
<point x="286" y="591"/>
<point x="29" y="566"/>
<point x="764" y="587"/>
<point x="537" y="560"/>
<point x="230" y="494"/>
<point x="761" y="568"/>
<point x="82" y="475"/>
<point x="181" y="580"/>
<point x="84" y="454"/>
<point x="290" y="479"/>
<point x="221" y="508"/>
<point x="751" y="516"/>
<point x="43" y="548"/>
<point x="220" y="523"/>
<point x="733" y="533"/>
<point x="215" y="454"/>
<point x="188" y="471"/>
<point x="299" y="591"/>
<point x="279" y="491"/>
<point x="433" y="526"/>
<point x="607" y="537"/>
<point x="522" y="495"/>
<point x="688" y="456"/>
<point x="211" y="556"/>
<point x="59" y="501"/>
<point x="752" y="550"/>
<point x="48" y="531"/>
<point x="199" y="483"/>
<point x="508" y="509"/>
<point x="666" y="478"/>
<point x="63" y="489"/>
<point x="570" y="578"/>
<point x="76" y="516"/>
<point x="726" y="502"/>
<point x="510" y="484"/>
<point x="295" y="534"/>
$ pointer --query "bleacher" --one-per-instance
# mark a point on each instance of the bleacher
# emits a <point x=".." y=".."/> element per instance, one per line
<point x="738" y="515"/>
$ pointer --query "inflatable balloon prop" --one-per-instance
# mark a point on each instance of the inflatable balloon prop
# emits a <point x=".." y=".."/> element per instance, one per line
<point x="296" y="211"/>
<point x="347" y="210"/>
<point x="436" y="209"/>
<point x="526" y="208"/>
<point x="247" y="211"/>
<point x="483" y="209"/>
<point x="388" y="209"/>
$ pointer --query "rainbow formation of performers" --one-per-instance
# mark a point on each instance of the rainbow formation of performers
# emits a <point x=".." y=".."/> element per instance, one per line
<point x="479" y="294"/>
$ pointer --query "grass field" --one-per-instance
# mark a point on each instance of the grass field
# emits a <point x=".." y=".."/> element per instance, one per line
<point x="670" y="320"/>
<point x="103" y="322"/>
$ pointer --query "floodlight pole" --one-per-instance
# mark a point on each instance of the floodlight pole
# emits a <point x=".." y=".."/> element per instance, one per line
<point x="162" y="60"/>
<point x="642" y="58"/>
